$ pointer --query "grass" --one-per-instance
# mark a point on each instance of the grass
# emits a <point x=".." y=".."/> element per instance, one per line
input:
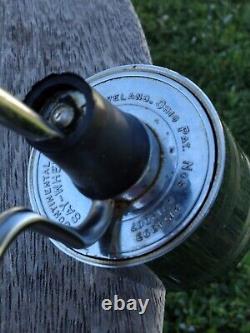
<point x="209" y="42"/>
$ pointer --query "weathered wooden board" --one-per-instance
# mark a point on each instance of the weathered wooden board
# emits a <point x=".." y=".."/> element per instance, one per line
<point x="43" y="290"/>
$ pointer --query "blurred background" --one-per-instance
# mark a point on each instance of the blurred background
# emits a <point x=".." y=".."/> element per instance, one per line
<point x="209" y="42"/>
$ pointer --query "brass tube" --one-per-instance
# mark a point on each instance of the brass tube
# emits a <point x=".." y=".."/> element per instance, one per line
<point x="17" y="116"/>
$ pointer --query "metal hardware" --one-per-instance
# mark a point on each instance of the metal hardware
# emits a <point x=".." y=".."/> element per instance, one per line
<point x="18" y="116"/>
<point x="156" y="146"/>
<point x="79" y="113"/>
<point x="158" y="218"/>
<point x="15" y="220"/>
<point x="63" y="116"/>
<point x="184" y="223"/>
<point x="105" y="151"/>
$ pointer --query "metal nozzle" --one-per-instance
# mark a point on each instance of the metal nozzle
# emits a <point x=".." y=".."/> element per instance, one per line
<point x="19" y="117"/>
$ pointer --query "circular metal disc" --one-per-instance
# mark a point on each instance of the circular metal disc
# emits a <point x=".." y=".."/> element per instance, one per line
<point x="184" y="121"/>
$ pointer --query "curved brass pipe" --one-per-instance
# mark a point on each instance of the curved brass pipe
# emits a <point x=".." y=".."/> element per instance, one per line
<point x="19" y="117"/>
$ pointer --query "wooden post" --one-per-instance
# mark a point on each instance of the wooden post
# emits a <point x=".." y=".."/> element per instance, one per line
<point x="43" y="290"/>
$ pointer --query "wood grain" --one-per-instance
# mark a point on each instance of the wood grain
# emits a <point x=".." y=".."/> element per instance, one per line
<point x="43" y="290"/>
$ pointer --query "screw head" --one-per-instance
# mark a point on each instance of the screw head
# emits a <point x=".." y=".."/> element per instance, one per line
<point x="63" y="116"/>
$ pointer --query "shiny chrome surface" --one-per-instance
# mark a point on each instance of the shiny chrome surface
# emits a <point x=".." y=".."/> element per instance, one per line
<point x="65" y="108"/>
<point x="16" y="220"/>
<point x="19" y="117"/>
<point x="191" y="137"/>
<point x="63" y="116"/>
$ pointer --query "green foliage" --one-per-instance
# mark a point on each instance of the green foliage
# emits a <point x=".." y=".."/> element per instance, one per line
<point x="209" y="42"/>
<point x="219" y="307"/>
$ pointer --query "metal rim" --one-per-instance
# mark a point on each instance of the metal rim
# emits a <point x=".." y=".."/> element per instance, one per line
<point x="217" y="180"/>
